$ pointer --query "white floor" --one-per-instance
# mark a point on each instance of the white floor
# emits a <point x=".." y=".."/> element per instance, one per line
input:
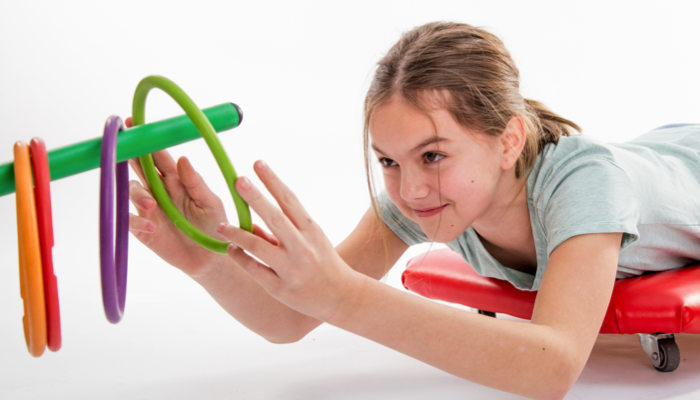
<point x="329" y="364"/>
<point x="176" y="343"/>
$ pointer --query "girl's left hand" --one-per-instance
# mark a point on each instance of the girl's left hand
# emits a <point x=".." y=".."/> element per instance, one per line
<point x="302" y="269"/>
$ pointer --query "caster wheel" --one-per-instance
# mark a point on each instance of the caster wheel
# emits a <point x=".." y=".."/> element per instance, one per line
<point x="670" y="355"/>
<point x="487" y="313"/>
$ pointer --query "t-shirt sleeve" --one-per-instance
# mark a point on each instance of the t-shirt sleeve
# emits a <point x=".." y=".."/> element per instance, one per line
<point x="404" y="228"/>
<point x="591" y="195"/>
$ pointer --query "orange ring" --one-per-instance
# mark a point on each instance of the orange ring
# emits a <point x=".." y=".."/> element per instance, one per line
<point x="30" y="273"/>
<point x="42" y="194"/>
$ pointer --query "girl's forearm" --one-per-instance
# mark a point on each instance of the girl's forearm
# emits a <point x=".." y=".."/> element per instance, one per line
<point x="245" y="300"/>
<point x="523" y="358"/>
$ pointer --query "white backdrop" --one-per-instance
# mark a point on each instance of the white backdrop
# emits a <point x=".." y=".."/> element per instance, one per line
<point x="299" y="71"/>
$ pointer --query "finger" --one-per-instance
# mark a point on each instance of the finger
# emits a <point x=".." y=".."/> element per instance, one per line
<point x="128" y="122"/>
<point x="260" y="232"/>
<point x="141" y="224"/>
<point x="283" y="229"/>
<point x="165" y="163"/>
<point x="264" y="275"/>
<point x="140" y="197"/>
<point x="135" y="165"/>
<point x="166" y="170"/>
<point x="195" y="185"/>
<point x="254" y="245"/>
<point x="287" y="200"/>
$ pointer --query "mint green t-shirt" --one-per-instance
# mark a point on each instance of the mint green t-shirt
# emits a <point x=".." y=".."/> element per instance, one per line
<point x="648" y="189"/>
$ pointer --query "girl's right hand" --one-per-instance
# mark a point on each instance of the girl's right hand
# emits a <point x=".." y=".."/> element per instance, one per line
<point x="195" y="201"/>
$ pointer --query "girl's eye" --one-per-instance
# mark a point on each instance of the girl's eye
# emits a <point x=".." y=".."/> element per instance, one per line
<point x="387" y="162"/>
<point x="432" y="157"/>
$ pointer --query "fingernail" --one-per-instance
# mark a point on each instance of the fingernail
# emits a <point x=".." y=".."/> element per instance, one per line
<point x="262" y="165"/>
<point x="245" y="183"/>
<point x="146" y="202"/>
<point x="150" y="227"/>
<point x="221" y="227"/>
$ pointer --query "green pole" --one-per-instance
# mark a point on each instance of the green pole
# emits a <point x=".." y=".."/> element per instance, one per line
<point x="131" y="143"/>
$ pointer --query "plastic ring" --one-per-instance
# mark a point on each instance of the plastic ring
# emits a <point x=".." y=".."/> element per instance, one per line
<point x="207" y="131"/>
<point x="42" y="193"/>
<point x="30" y="275"/>
<point x="113" y="267"/>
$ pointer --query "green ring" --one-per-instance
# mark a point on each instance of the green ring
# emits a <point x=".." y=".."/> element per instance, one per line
<point x="207" y="131"/>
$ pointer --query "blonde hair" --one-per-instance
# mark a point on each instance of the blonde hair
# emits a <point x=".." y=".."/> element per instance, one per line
<point x="476" y="80"/>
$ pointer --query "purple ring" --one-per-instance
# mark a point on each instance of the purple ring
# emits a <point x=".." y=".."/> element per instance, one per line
<point x="113" y="267"/>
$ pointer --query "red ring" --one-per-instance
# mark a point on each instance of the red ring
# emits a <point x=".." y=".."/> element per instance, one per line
<point x="42" y="193"/>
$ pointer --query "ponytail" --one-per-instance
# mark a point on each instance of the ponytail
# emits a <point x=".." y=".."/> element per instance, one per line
<point x="545" y="127"/>
<point x="552" y="126"/>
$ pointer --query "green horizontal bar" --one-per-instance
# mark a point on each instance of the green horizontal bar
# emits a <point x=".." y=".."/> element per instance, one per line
<point x="131" y="143"/>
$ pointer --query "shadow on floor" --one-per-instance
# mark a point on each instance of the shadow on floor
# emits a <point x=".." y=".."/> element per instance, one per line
<point x="617" y="369"/>
<point x="618" y="364"/>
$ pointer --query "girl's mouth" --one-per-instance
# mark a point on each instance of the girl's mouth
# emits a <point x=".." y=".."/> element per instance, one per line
<point x="429" y="212"/>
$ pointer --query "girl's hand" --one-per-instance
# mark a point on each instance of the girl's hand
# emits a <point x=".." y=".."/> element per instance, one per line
<point x="303" y="269"/>
<point x="194" y="200"/>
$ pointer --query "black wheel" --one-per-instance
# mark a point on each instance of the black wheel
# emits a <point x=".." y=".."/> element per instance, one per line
<point x="487" y="313"/>
<point x="670" y="355"/>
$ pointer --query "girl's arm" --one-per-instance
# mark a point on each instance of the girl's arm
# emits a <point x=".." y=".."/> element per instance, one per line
<point x="540" y="359"/>
<point x="247" y="301"/>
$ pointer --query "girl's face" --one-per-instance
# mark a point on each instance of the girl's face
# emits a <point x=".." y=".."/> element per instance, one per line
<point x="412" y="151"/>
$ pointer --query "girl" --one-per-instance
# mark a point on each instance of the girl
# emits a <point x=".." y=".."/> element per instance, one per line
<point x="468" y="162"/>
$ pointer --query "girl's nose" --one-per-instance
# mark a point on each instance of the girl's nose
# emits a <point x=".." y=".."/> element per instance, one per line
<point x="413" y="186"/>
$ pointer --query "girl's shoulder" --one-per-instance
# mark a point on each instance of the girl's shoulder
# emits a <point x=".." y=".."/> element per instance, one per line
<point x="661" y="139"/>
<point x="660" y="151"/>
<point x="572" y="157"/>
<point x="671" y="136"/>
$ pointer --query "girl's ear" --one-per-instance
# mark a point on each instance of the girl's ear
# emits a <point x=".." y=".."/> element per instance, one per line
<point x="513" y="141"/>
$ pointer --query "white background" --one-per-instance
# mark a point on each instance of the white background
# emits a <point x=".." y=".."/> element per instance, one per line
<point x="299" y="71"/>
